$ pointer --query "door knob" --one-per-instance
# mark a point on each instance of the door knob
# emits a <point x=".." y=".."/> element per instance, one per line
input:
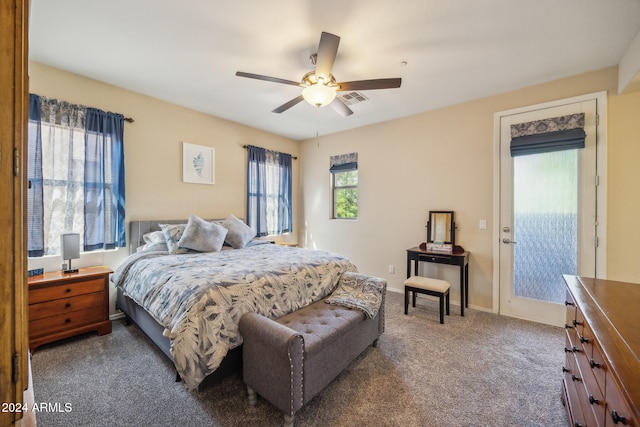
<point x="505" y="240"/>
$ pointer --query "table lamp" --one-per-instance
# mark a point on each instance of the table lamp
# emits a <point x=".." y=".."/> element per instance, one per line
<point x="70" y="246"/>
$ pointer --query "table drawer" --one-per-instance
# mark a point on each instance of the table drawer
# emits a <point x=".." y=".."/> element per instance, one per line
<point x="65" y="305"/>
<point x="435" y="258"/>
<point x="65" y="321"/>
<point x="65" y="290"/>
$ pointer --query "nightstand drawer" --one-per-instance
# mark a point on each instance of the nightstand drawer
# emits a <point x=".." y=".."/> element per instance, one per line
<point x="64" y="321"/>
<point x="66" y="290"/>
<point x="65" y="305"/>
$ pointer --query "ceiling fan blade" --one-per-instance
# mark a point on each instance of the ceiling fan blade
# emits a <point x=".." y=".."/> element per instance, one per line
<point x="286" y="106"/>
<point x="327" y="50"/>
<point x="267" y="78"/>
<point x="370" y="84"/>
<point x="341" y="108"/>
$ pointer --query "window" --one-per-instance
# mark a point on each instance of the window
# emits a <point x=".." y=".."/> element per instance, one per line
<point x="268" y="191"/>
<point x="344" y="186"/>
<point x="76" y="176"/>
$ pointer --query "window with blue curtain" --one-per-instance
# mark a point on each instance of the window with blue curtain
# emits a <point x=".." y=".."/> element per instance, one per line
<point x="269" y="182"/>
<point x="75" y="170"/>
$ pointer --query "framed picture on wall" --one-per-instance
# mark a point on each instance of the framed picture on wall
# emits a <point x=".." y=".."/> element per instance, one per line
<point x="198" y="164"/>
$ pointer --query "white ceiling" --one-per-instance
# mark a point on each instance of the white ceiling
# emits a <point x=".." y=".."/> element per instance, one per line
<point x="187" y="52"/>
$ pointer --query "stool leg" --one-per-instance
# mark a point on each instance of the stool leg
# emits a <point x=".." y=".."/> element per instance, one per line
<point x="415" y="294"/>
<point x="448" y="303"/>
<point x="441" y="308"/>
<point x="406" y="301"/>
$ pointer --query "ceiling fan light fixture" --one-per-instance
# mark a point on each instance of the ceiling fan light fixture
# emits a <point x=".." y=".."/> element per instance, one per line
<point x="319" y="94"/>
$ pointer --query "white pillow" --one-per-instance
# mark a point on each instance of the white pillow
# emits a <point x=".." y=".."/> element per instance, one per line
<point x="239" y="233"/>
<point x="202" y="236"/>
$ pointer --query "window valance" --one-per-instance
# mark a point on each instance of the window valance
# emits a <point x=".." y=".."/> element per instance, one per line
<point x="343" y="163"/>
<point x="543" y="136"/>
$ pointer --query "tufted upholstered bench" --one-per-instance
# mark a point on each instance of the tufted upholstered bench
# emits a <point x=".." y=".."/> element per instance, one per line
<point x="426" y="285"/>
<point x="290" y="360"/>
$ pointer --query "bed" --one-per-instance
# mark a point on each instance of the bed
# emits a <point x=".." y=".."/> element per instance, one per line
<point x="189" y="304"/>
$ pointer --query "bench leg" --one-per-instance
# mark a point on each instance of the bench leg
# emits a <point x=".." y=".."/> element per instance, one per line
<point x="415" y="294"/>
<point x="253" y="397"/>
<point x="441" y="298"/>
<point x="288" y="420"/>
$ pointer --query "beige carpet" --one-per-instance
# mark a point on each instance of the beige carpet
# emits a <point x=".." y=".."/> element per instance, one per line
<point x="477" y="370"/>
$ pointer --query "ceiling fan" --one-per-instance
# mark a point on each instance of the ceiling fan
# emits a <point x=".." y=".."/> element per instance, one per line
<point x="320" y="86"/>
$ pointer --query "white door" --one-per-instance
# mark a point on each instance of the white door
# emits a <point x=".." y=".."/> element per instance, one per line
<point x="548" y="217"/>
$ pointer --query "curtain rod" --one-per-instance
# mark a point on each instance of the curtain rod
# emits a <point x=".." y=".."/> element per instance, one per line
<point x="246" y="147"/>
<point x="129" y="120"/>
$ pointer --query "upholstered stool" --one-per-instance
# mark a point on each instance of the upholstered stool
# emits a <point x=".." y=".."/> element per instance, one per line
<point x="426" y="285"/>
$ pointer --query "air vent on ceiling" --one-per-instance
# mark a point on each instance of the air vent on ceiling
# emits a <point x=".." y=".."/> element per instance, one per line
<point x="352" y="97"/>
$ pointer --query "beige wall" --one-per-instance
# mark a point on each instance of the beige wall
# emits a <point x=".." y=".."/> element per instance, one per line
<point x="441" y="159"/>
<point x="444" y="159"/>
<point x="153" y="155"/>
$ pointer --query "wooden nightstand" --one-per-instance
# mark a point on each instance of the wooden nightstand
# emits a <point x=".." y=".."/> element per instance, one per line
<point x="63" y="305"/>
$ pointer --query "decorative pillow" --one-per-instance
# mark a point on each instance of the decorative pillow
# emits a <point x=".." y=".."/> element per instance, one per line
<point x="202" y="236"/>
<point x="154" y="241"/>
<point x="172" y="234"/>
<point x="359" y="291"/>
<point x="239" y="233"/>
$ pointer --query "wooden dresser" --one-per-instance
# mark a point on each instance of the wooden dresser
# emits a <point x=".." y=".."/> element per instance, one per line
<point x="601" y="381"/>
<point x="63" y="305"/>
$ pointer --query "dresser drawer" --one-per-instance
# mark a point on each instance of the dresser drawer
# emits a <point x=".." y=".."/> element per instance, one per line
<point x="598" y="366"/>
<point x="64" y="321"/>
<point x="65" y="305"/>
<point x="65" y="290"/>
<point x="594" y="399"/>
<point x="618" y="412"/>
<point x="571" y="381"/>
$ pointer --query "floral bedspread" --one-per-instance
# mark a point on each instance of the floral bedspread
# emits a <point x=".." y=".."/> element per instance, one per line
<point x="199" y="298"/>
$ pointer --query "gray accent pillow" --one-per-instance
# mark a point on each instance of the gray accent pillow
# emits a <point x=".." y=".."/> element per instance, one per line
<point x="239" y="233"/>
<point x="202" y="236"/>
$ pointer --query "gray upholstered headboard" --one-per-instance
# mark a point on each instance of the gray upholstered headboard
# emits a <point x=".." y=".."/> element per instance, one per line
<point x="137" y="229"/>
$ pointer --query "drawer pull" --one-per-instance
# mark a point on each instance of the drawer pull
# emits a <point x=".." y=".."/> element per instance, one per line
<point x="617" y="418"/>
<point x="67" y="320"/>
<point x="568" y="303"/>
<point x="577" y="424"/>
<point x="584" y="340"/>
<point x="67" y="305"/>
<point x="574" y="378"/>
<point x="575" y="350"/>
<point x="567" y="326"/>
<point x="567" y="350"/>
<point x="67" y="290"/>
<point x="593" y="400"/>
<point x="594" y="364"/>
<point x="565" y="369"/>
<point x="576" y="323"/>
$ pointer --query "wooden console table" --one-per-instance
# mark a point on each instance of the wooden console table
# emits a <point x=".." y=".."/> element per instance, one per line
<point x="416" y="255"/>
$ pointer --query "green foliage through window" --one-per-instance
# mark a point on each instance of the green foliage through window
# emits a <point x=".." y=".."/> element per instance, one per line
<point x="345" y="194"/>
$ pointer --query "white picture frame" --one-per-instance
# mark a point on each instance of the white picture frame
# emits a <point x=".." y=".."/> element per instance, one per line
<point x="198" y="164"/>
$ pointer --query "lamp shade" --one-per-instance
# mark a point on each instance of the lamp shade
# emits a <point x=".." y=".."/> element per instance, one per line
<point x="319" y="94"/>
<point x="70" y="245"/>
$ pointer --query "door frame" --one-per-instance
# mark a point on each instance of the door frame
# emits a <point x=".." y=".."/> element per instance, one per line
<point x="601" y="190"/>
